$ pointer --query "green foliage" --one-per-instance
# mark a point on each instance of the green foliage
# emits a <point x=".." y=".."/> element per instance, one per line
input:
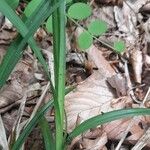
<point x="119" y="46"/>
<point x="13" y="3"/>
<point x="31" y="7"/>
<point x="37" y="12"/>
<point x="16" y="49"/>
<point x="97" y="27"/>
<point x="105" y="118"/>
<point x="68" y="1"/>
<point x="47" y="134"/>
<point x="84" y="40"/>
<point x="79" y="11"/>
<point x="49" y="25"/>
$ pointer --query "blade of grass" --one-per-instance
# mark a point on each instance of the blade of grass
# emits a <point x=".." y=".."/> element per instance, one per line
<point x="47" y="134"/>
<point x="15" y="49"/>
<point x="59" y="64"/>
<point x="35" y="20"/>
<point x="27" y="130"/>
<point x="106" y="117"/>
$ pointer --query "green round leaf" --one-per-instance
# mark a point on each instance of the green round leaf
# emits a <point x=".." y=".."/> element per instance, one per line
<point x="97" y="27"/>
<point x="79" y="11"/>
<point x="84" y="40"/>
<point x="119" y="46"/>
<point x="13" y="3"/>
<point x="31" y="7"/>
<point x="49" y="26"/>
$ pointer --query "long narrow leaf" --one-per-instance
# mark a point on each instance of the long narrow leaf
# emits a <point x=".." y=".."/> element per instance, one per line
<point x="38" y="19"/>
<point x="59" y="48"/>
<point x="106" y="117"/>
<point x="47" y="134"/>
<point x="27" y="130"/>
<point x="15" y="50"/>
<point x="31" y="125"/>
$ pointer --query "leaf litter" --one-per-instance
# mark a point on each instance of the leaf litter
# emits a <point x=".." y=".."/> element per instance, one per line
<point x="106" y="88"/>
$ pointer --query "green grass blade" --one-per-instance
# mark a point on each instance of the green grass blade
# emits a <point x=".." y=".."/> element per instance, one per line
<point x="59" y="48"/>
<point x="47" y="134"/>
<point x="27" y="130"/>
<point x="12" y="56"/>
<point x="105" y="118"/>
<point x="31" y="125"/>
<point x="15" y="51"/>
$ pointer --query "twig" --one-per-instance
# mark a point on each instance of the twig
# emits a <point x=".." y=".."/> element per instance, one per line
<point x="146" y="96"/>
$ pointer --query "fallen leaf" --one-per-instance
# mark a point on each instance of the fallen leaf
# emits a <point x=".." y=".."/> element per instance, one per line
<point x="3" y="137"/>
<point x="93" y="95"/>
<point x="137" y="63"/>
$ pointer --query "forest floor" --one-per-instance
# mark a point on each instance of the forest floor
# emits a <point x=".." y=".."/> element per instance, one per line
<point x="106" y="80"/>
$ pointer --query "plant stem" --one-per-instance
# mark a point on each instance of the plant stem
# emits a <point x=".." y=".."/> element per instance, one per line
<point x="59" y="46"/>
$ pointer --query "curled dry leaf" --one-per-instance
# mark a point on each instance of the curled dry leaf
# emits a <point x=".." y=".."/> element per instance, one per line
<point x="145" y="9"/>
<point x="96" y="144"/>
<point x="137" y="63"/>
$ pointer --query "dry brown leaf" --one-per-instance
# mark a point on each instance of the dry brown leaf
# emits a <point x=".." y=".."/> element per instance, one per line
<point x="143" y="141"/>
<point x="118" y="82"/>
<point x="147" y="60"/>
<point x="92" y="94"/>
<point x="96" y="144"/>
<point x="3" y="137"/>
<point x="137" y="63"/>
<point x="1" y="19"/>
<point x="21" y="77"/>
<point x="10" y="94"/>
<point x="2" y="53"/>
<point x="110" y="2"/>
<point x="93" y="97"/>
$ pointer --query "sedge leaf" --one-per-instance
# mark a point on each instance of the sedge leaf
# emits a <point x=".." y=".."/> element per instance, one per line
<point x="30" y="126"/>
<point x="105" y="118"/>
<point x="33" y="24"/>
<point x="31" y="7"/>
<point x="47" y="134"/>
<point x="13" y="3"/>
<point x="49" y="25"/>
